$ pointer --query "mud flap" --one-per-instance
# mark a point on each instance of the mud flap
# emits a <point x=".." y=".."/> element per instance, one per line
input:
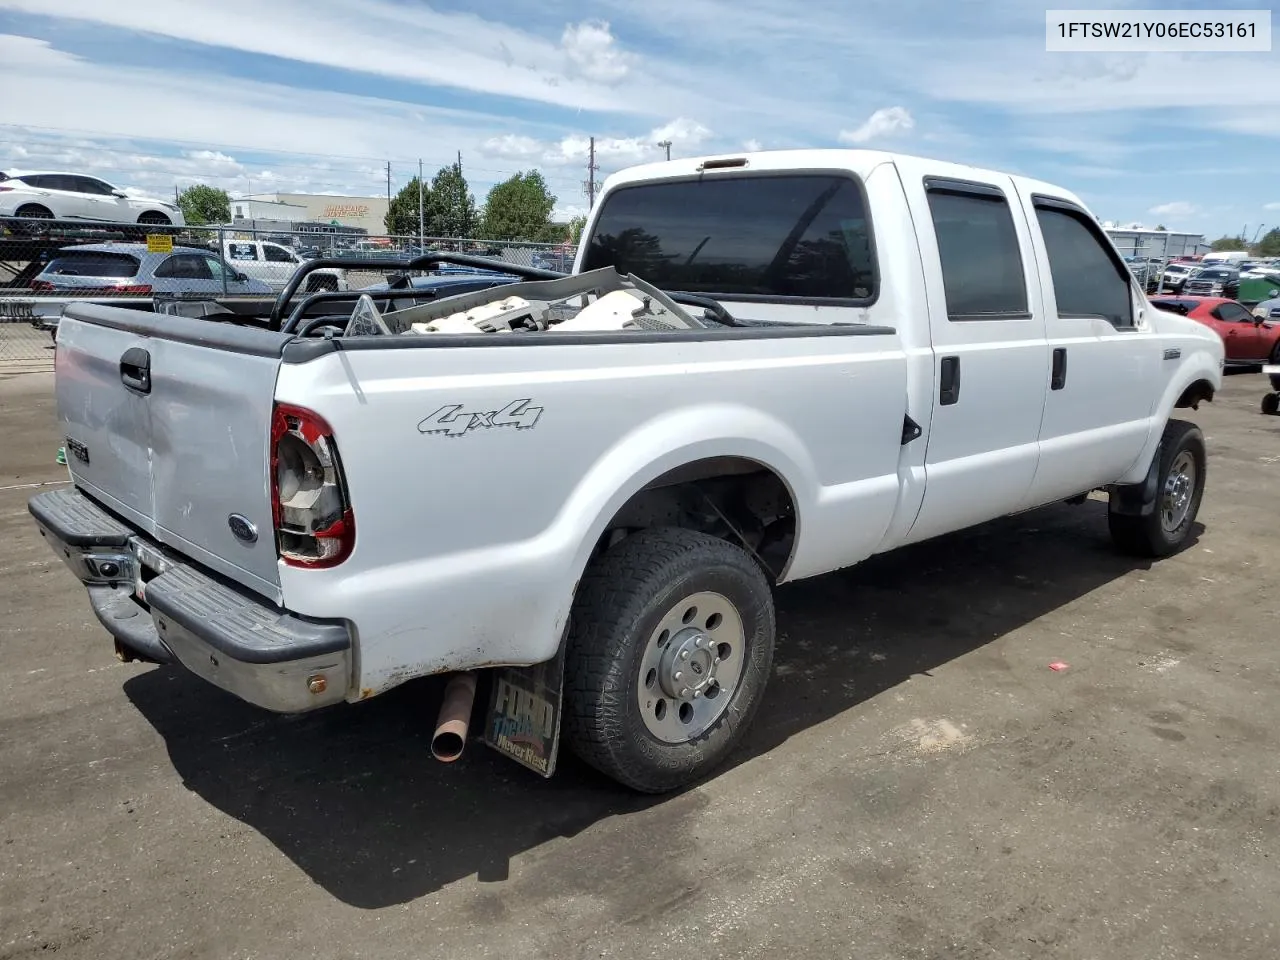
<point x="523" y="722"/>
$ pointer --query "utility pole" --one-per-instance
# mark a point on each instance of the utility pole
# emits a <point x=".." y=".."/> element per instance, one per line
<point x="421" y="235"/>
<point x="590" y="185"/>
<point x="388" y="183"/>
<point x="666" y="145"/>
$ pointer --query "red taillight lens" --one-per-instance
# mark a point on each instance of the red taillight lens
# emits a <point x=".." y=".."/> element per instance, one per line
<point x="314" y="523"/>
<point x="131" y="290"/>
<point x="42" y="286"/>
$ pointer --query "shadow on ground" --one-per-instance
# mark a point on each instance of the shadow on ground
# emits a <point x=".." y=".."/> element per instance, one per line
<point x="352" y="796"/>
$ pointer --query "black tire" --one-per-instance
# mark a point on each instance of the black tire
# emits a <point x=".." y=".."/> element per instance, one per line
<point x="32" y="211"/>
<point x="1271" y="404"/>
<point x="622" y="600"/>
<point x="1151" y="535"/>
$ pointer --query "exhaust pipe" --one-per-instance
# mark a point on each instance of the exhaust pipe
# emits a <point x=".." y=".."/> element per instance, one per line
<point x="450" y="738"/>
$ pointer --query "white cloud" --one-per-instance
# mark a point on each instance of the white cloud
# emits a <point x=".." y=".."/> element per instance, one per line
<point x="1176" y="208"/>
<point x="594" y="52"/>
<point x="681" y="131"/>
<point x="1271" y="206"/>
<point x="387" y="38"/>
<point x="752" y="146"/>
<point x="884" y="122"/>
<point x="513" y="146"/>
<point x="564" y="212"/>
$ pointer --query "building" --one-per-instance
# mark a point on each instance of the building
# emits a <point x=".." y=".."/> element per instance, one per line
<point x="366" y="213"/>
<point x="252" y="208"/>
<point x="1135" y="240"/>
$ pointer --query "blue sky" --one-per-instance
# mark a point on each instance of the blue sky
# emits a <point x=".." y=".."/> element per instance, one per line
<point x="316" y="95"/>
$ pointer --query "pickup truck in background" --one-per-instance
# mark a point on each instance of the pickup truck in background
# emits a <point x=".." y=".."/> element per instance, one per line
<point x="274" y="264"/>
<point x="764" y="368"/>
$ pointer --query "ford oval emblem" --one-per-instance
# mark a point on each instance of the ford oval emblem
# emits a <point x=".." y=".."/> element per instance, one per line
<point x="242" y="529"/>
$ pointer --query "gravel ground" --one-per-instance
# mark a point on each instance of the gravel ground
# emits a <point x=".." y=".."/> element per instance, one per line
<point x="919" y="784"/>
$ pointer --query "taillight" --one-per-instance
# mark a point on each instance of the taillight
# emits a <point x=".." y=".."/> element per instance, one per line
<point x="131" y="289"/>
<point x="42" y="286"/>
<point x="314" y="524"/>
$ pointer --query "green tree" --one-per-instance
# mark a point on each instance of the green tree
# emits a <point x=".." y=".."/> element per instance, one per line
<point x="1229" y="243"/>
<point x="519" y="208"/>
<point x="402" y="215"/>
<point x="453" y="208"/>
<point x="201" y="203"/>
<point x="1269" y="245"/>
<point x="576" y="226"/>
<point x="1161" y="226"/>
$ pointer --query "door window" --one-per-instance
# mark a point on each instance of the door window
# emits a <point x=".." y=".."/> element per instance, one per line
<point x="90" y="185"/>
<point x="219" y="270"/>
<point x="982" y="272"/>
<point x="1088" y="279"/>
<point x="1233" y="313"/>
<point x="184" y="266"/>
<point x="277" y="254"/>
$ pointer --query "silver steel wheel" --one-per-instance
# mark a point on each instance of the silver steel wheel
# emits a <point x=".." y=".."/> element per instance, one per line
<point x="1179" y="488"/>
<point x="692" y="665"/>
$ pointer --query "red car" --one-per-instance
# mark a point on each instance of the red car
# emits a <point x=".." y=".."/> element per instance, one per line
<point x="1249" y="340"/>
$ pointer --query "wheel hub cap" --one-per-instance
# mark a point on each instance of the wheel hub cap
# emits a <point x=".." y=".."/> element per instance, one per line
<point x="688" y="666"/>
<point x="1179" y="488"/>
<point x="691" y="667"/>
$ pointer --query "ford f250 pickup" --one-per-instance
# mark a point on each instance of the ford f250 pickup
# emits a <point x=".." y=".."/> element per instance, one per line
<point x="764" y="368"/>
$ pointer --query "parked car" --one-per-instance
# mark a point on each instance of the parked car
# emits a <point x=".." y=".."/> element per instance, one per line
<point x="599" y="494"/>
<point x="1249" y="339"/>
<point x="1268" y="309"/>
<point x="51" y="195"/>
<point x="1214" y="280"/>
<point x="274" y="264"/>
<point x="129" y="269"/>
<point x="1176" y="274"/>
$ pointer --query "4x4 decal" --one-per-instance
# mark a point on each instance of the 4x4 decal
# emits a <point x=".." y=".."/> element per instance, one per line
<point x="453" y="421"/>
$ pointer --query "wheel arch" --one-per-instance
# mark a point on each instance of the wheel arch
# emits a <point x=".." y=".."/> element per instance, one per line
<point x="1197" y="380"/>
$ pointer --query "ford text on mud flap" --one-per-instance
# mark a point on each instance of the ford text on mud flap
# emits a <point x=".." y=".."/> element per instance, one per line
<point x="764" y="368"/>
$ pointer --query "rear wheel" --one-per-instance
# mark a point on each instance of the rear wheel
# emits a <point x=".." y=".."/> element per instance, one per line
<point x="1271" y="404"/>
<point x="1179" y="490"/>
<point x="669" y="653"/>
<point x="33" y="211"/>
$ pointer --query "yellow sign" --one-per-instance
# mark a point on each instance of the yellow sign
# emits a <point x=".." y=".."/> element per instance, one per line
<point x="350" y="210"/>
<point x="159" y="243"/>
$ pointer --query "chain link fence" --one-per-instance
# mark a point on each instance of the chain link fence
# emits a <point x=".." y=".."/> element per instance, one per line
<point x="45" y="264"/>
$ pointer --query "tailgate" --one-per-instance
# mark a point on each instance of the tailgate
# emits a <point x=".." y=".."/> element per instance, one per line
<point x="167" y="422"/>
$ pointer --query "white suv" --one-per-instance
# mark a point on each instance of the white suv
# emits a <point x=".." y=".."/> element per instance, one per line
<point x="48" y="195"/>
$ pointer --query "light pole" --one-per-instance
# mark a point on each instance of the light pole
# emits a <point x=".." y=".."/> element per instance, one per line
<point x="666" y="145"/>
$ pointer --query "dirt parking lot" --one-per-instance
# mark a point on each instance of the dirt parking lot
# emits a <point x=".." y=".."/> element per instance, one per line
<point x="919" y="784"/>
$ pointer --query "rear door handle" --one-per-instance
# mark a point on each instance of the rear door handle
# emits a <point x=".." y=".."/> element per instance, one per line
<point x="949" y="381"/>
<point x="135" y="369"/>
<point x="1059" y="378"/>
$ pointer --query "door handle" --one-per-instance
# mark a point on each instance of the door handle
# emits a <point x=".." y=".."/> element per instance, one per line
<point x="135" y="369"/>
<point x="949" y="381"/>
<point x="1059" y="378"/>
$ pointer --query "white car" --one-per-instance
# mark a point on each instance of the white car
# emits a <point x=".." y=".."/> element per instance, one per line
<point x="274" y="264"/>
<point x="764" y="368"/>
<point x="53" y="195"/>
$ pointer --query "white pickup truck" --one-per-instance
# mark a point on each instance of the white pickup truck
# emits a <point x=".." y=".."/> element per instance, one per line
<point x="275" y="263"/>
<point x="788" y="362"/>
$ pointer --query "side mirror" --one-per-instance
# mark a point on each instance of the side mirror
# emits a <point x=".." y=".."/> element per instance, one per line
<point x="240" y="277"/>
<point x="120" y="194"/>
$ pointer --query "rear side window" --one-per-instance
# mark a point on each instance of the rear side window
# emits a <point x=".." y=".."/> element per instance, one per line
<point x="242" y="251"/>
<point x="981" y="264"/>
<point x="763" y="237"/>
<point x="93" y="264"/>
<point x="1088" y="281"/>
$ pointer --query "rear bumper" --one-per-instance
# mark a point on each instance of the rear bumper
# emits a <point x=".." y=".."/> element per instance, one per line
<point x="161" y="606"/>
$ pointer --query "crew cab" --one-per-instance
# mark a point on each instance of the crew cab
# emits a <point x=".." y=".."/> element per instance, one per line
<point x="274" y="264"/>
<point x="764" y="368"/>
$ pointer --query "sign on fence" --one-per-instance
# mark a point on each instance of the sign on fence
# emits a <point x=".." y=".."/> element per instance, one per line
<point x="159" y="243"/>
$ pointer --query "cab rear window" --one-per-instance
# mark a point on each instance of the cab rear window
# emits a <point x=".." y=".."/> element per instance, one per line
<point x="93" y="264"/>
<point x="795" y="236"/>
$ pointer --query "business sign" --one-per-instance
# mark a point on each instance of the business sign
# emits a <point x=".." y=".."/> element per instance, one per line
<point x="352" y="211"/>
